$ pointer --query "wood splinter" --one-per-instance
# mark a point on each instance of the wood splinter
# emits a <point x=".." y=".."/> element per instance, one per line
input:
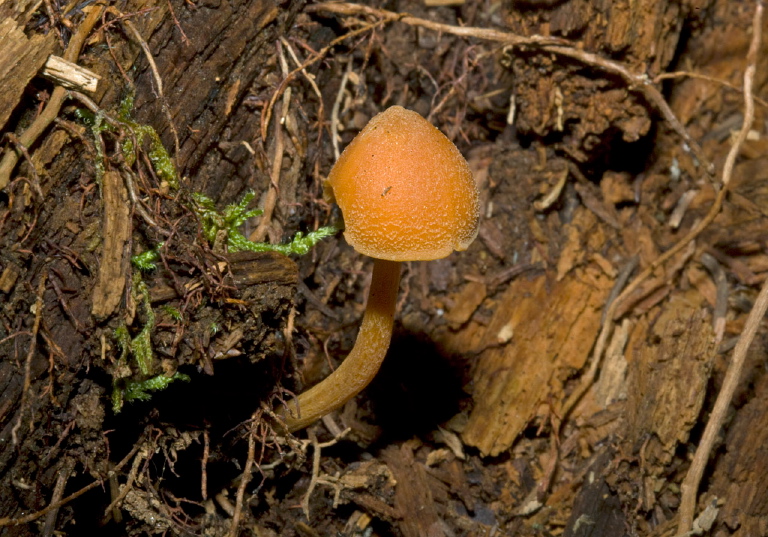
<point x="70" y="75"/>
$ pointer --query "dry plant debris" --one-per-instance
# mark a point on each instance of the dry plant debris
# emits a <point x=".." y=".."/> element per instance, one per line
<point x="593" y="366"/>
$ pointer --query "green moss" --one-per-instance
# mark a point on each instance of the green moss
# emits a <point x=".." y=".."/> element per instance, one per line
<point x="172" y="312"/>
<point x="133" y="376"/>
<point x="140" y="348"/>
<point x="97" y="125"/>
<point x="161" y="161"/>
<point x="117" y="398"/>
<point x="137" y="390"/>
<point x="158" y="155"/>
<point x="233" y="216"/>
<point x="123" y="339"/>
<point x="300" y="245"/>
<point x="146" y="261"/>
<point x="230" y="219"/>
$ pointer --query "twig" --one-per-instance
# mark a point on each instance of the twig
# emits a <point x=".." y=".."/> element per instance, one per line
<point x="204" y="465"/>
<point x="310" y="78"/>
<point x="621" y="280"/>
<point x="678" y="213"/>
<point x="119" y="16"/>
<point x="690" y="486"/>
<point x="335" y="110"/>
<point x="145" y="453"/>
<point x="487" y="34"/>
<point x="699" y="76"/>
<point x="15" y="334"/>
<point x="130" y="180"/>
<point x="721" y="299"/>
<point x="267" y="115"/>
<point x="91" y="105"/>
<point x="55" y="21"/>
<point x="315" y="479"/>
<point x="315" y="473"/>
<point x="58" y="490"/>
<point x="246" y="476"/>
<point x="6" y="521"/>
<point x="64" y="305"/>
<point x="158" y="79"/>
<point x="51" y="110"/>
<point x="636" y="83"/>
<point x="270" y="200"/>
<point x="184" y="37"/>
<point x="331" y="425"/>
<point x="505" y="275"/>
<point x="35" y="182"/>
<point x="30" y="354"/>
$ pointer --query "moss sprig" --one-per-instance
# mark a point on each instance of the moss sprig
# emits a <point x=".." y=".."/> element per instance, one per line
<point x="147" y="261"/>
<point x="233" y="216"/>
<point x="161" y="160"/>
<point x="139" y="347"/>
<point x="137" y="390"/>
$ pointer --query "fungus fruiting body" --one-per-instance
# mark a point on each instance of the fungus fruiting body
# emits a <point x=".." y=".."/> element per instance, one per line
<point x="407" y="194"/>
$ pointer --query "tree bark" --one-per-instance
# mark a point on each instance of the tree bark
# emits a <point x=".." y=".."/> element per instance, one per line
<point x="69" y="231"/>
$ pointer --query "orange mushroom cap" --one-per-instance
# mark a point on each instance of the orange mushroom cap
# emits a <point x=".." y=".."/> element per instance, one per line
<point x="406" y="192"/>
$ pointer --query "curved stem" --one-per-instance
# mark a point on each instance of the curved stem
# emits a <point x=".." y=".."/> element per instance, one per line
<point x="362" y="364"/>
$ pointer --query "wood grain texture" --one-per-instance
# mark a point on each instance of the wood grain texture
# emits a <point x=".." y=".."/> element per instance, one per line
<point x="413" y="495"/>
<point x="546" y="329"/>
<point x="67" y="236"/>
<point x="247" y="268"/>
<point x="739" y="474"/>
<point x="114" y="265"/>
<point x="207" y="74"/>
<point x="667" y="377"/>
<point x="23" y="54"/>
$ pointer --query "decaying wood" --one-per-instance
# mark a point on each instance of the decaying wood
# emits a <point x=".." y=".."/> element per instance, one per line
<point x="52" y="106"/>
<point x="667" y="378"/>
<point x="645" y="33"/>
<point x="739" y="473"/>
<point x="22" y="56"/>
<point x="540" y="332"/>
<point x="247" y="268"/>
<point x="413" y="496"/>
<point x="83" y="243"/>
<point x="226" y="41"/>
<point x="8" y="278"/>
<point x="549" y="121"/>
<point x="597" y="511"/>
<point x="115" y="256"/>
<point x="70" y="75"/>
<point x="467" y="301"/>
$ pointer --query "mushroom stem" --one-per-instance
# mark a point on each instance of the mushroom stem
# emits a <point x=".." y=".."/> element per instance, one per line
<point x="362" y="364"/>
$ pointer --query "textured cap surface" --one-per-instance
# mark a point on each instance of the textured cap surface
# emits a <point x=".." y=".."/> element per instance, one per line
<point x="406" y="192"/>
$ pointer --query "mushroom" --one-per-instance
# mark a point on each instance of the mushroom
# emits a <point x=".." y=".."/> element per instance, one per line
<point x="406" y="194"/>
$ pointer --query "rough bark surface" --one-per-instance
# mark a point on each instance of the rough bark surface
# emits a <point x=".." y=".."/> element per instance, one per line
<point x="141" y="356"/>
